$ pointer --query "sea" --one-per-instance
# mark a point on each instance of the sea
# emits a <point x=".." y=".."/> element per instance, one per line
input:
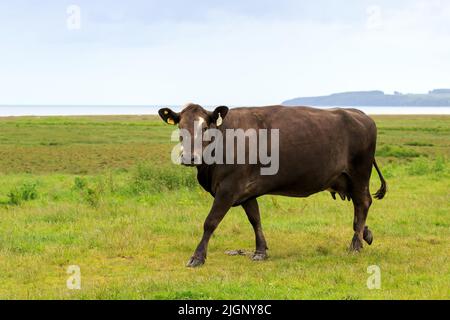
<point x="41" y="110"/>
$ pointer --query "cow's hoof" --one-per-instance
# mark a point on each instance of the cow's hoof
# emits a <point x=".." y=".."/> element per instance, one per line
<point x="259" y="256"/>
<point x="368" y="237"/>
<point x="356" y="245"/>
<point x="195" y="262"/>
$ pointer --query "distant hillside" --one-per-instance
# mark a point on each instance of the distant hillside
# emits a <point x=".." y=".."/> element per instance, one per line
<point x="435" y="98"/>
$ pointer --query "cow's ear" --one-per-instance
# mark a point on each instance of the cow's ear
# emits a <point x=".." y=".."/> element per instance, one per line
<point x="169" y="116"/>
<point x="218" y="115"/>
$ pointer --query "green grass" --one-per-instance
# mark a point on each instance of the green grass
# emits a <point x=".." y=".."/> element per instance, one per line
<point x="419" y="144"/>
<point x="101" y="193"/>
<point x="397" y="152"/>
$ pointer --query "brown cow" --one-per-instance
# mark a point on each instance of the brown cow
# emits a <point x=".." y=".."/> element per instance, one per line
<point x="319" y="150"/>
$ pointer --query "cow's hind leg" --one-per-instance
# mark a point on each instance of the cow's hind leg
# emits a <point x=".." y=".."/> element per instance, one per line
<point x="361" y="201"/>
<point x="252" y="210"/>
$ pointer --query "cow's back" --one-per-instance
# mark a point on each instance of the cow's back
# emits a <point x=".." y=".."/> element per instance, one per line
<point x="315" y="146"/>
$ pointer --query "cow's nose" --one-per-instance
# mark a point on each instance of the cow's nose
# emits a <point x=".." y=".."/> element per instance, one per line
<point x="193" y="159"/>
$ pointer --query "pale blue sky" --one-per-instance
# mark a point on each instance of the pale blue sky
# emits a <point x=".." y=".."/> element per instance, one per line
<point x="219" y="52"/>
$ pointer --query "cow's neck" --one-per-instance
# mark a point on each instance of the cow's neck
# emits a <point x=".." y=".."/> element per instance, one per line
<point x="204" y="177"/>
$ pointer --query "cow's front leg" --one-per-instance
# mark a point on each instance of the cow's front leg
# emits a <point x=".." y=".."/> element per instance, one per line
<point x="222" y="203"/>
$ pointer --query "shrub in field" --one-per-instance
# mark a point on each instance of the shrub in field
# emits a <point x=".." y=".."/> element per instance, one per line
<point x="26" y="192"/>
<point x="90" y="195"/>
<point x="389" y="170"/>
<point x="419" y="167"/>
<point x="14" y="197"/>
<point x="151" y="179"/>
<point x="423" y="166"/>
<point x="397" y="152"/>
<point x="440" y="165"/>
<point x="79" y="183"/>
<point x="419" y="144"/>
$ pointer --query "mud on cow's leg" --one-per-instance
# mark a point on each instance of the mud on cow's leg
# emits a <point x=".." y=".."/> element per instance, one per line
<point x="252" y="210"/>
<point x="361" y="202"/>
<point x="222" y="203"/>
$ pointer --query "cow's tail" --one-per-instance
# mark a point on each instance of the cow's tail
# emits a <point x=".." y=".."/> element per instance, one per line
<point x="382" y="192"/>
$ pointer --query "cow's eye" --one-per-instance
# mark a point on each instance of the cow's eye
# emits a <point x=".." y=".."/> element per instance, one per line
<point x="204" y="129"/>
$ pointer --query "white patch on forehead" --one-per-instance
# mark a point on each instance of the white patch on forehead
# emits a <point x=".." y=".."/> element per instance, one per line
<point x="199" y="123"/>
<point x="201" y="120"/>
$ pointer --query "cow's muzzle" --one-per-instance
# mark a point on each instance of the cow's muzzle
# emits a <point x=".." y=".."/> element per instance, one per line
<point x="193" y="161"/>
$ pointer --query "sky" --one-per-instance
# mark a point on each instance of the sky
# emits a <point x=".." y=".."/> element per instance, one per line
<point x="229" y="52"/>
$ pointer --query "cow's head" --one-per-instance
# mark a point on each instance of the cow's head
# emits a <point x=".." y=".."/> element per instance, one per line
<point x="194" y="121"/>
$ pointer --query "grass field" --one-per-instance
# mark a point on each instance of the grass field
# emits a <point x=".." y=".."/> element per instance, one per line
<point x="101" y="193"/>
